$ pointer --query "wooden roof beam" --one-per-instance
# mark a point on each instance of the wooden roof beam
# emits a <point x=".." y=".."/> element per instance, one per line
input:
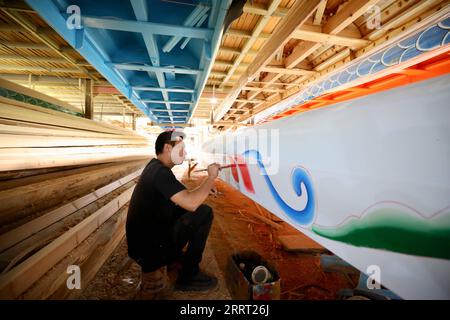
<point x="405" y="16"/>
<point x="229" y="124"/>
<point x="310" y="34"/>
<point x="15" y="5"/>
<point x="418" y="22"/>
<point x="283" y="71"/>
<point x="319" y="13"/>
<point x="245" y="34"/>
<point x="39" y="59"/>
<point x="124" y="104"/>
<point x="26" y="45"/>
<point x="224" y="63"/>
<point x="268" y="80"/>
<point x="248" y="101"/>
<point x="11" y="27"/>
<point x="271" y="78"/>
<point x="217" y="83"/>
<point x="223" y="89"/>
<point x="209" y="94"/>
<point x="332" y="60"/>
<point x="29" y="26"/>
<point x="262" y="89"/>
<point x="330" y="39"/>
<point x="297" y="16"/>
<point x="11" y="67"/>
<point x="349" y="13"/>
<point x="218" y="73"/>
<point x="236" y="51"/>
<point x="260" y="9"/>
<point x="118" y="114"/>
<point x="260" y="25"/>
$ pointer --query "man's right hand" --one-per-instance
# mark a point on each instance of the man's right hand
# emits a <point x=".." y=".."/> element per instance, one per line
<point x="213" y="170"/>
<point x="192" y="199"/>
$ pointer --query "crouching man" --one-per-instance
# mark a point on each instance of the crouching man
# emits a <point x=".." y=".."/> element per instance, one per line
<point x="164" y="216"/>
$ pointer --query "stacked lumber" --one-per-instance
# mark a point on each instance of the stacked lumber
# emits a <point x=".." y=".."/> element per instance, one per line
<point x="65" y="184"/>
<point x="37" y="248"/>
<point x="33" y="137"/>
<point x="22" y="93"/>
<point x="21" y="202"/>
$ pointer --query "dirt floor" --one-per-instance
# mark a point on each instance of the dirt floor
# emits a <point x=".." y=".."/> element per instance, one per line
<point x="233" y="230"/>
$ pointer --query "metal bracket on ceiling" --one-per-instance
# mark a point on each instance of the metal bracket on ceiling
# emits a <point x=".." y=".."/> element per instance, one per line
<point x="79" y="38"/>
<point x="199" y="14"/>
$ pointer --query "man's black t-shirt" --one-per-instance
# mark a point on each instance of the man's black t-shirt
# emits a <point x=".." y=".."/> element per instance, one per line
<point x="151" y="214"/>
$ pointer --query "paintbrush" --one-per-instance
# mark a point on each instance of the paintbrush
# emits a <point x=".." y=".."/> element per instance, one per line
<point x="222" y="167"/>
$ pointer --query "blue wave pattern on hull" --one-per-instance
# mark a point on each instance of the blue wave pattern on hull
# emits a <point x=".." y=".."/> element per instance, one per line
<point x="302" y="217"/>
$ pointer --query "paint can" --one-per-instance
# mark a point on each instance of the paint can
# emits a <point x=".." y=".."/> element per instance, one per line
<point x="251" y="277"/>
<point x="260" y="275"/>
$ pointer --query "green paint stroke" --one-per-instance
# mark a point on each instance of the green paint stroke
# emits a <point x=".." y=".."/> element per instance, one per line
<point x="395" y="230"/>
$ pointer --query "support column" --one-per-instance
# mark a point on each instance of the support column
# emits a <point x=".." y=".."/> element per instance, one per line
<point x="134" y="121"/>
<point x="88" y="99"/>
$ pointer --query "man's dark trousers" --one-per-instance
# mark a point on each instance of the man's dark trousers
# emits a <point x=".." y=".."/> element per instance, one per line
<point x="192" y="228"/>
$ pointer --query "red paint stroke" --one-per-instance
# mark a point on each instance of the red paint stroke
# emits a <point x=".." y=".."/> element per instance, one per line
<point x="234" y="170"/>
<point x="245" y="173"/>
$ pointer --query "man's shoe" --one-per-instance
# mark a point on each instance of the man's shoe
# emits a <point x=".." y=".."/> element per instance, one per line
<point x="153" y="285"/>
<point x="198" y="282"/>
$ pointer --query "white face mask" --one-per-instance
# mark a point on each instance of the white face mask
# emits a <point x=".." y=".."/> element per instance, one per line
<point x="178" y="153"/>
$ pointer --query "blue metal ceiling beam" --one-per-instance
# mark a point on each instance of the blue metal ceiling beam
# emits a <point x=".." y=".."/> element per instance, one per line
<point x="155" y="95"/>
<point x="180" y="58"/>
<point x="170" y="75"/>
<point x="147" y="27"/>
<point x="168" y="101"/>
<point x="52" y="14"/>
<point x="143" y="88"/>
<point x="162" y="110"/>
<point x="141" y="12"/>
<point x="172" y="79"/>
<point x="199" y="23"/>
<point x="174" y="117"/>
<point x="136" y="67"/>
<point x="183" y="81"/>
<point x="177" y="57"/>
<point x="162" y="84"/>
<point x="190" y="21"/>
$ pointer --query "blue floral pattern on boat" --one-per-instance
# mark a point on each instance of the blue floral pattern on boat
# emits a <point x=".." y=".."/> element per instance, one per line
<point x="426" y="40"/>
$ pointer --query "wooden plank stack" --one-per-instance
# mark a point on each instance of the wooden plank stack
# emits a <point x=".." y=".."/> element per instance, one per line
<point x="31" y="249"/>
<point x="65" y="183"/>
